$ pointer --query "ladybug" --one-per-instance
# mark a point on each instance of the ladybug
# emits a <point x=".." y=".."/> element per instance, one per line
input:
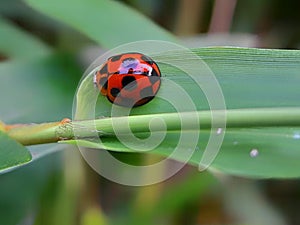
<point x="130" y="79"/>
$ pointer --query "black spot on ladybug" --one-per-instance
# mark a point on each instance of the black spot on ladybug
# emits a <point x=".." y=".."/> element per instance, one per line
<point x="115" y="58"/>
<point x="145" y="73"/>
<point x="154" y="79"/>
<point x="143" y="101"/>
<point x="114" y="92"/>
<point x="147" y="59"/>
<point x="103" y="82"/>
<point x="128" y="59"/>
<point x="129" y="82"/>
<point x="104" y="69"/>
<point x="146" y="92"/>
<point x="130" y="71"/>
<point x="154" y="73"/>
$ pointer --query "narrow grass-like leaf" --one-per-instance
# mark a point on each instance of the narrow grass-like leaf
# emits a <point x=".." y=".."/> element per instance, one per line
<point x="18" y="44"/>
<point x="37" y="90"/>
<point x="109" y="23"/>
<point x="252" y="152"/>
<point x="12" y="153"/>
<point x="250" y="79"/>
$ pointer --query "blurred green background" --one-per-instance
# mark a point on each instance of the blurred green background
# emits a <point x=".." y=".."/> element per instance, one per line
<point x="44" y="51"/>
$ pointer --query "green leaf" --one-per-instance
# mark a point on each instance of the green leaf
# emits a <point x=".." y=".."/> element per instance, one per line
<point x="12" y="154"/>
<point x="32" y="90"/>
<point x="260" y="152"/>
<point x="109" y="23"/>
<point x="252" y="152"/>
<point x="251" y="80"/>
<point x="38" y="90"/>
<point x="18" y="44"/>
<point x="248" y="78"/>
<point x="22" y="189"/>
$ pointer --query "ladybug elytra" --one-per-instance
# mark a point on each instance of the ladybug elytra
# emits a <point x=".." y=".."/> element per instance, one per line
<point x="130" y="79"/>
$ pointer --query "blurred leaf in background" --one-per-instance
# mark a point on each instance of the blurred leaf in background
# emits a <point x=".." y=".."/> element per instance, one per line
<point x="109" y="23"/>
<point x="37" y="85"/>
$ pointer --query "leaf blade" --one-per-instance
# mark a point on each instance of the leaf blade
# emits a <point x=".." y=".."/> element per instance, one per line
<point x="12" y="154"/>
<point x="18" y="44"/>
<point x="91" y="18"/>
<point x="251" y="79"/>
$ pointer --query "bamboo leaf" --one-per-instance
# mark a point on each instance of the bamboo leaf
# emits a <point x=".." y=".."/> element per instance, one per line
<point x="109" y="23"/>
<point x="251" y="80"/>
<point x="12" y="154"/>
<point x="18" y="44"/>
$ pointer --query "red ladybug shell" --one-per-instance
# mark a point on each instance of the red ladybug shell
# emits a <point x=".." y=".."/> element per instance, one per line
<point x="130" y="79"/>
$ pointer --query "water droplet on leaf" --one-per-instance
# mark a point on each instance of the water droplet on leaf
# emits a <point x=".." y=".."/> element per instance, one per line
<point x="254" y="153"/>
<point x="296" y="136"/>
<point x="219" y="130"/>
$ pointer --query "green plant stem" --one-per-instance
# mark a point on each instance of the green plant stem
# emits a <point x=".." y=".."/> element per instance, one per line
<point x="39" y="133"/>
<point x="236" y="118"/>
